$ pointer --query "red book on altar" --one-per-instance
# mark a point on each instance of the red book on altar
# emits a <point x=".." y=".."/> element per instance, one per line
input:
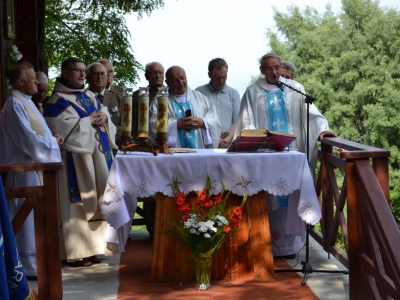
<point x="252" y="140"/>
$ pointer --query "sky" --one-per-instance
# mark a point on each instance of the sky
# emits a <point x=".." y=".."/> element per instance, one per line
<point x="190" y="33"/>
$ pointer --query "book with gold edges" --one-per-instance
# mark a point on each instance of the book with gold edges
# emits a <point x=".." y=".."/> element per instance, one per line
<point x="253" y="140"/>
<point x="181" y="150"/>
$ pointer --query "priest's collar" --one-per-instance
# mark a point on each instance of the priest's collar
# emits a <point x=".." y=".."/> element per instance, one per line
<point x="59" y="86"/>
<point x="181" y="98"/>
<point x="272" y="88"/>
<point x="17" y="91"/>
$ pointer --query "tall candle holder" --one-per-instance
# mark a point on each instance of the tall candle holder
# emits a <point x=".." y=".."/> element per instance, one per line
<point x="143" y="143"/>
<point x="126" y="117"/>
<point x="143" y="114"/>
<point x="162" y="115"/>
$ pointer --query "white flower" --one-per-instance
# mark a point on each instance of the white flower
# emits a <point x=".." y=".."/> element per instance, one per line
<point x="221" y="220"/>
<point x="16" y="55"/>
<point x="207" y="235"/>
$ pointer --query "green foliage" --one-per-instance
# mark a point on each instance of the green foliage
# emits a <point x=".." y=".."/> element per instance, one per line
<point x="350" y="63"/>
<point x="92" y="30"/>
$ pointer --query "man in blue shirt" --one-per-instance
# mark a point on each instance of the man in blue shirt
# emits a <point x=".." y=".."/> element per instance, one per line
<point x="225" y="99"/>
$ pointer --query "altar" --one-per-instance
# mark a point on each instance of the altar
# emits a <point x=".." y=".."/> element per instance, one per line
<point x="248" y="252"/>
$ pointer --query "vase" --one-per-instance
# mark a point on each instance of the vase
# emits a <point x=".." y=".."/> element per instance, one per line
<point x="202" y="268"/>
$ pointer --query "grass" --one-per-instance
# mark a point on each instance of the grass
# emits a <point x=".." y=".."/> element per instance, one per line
<point x="138" y="227"/>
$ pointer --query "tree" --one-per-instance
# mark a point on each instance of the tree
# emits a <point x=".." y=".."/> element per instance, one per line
<point x="91" y="30"/>
<point x="350" y="63"/>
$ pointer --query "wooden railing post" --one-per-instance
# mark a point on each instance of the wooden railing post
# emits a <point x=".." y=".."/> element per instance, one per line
<point x="355" y="233"/>
<point x="381" y="168"/>
<point x="327" y="198"/>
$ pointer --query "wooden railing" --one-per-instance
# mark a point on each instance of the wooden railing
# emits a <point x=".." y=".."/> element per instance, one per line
<point x="360" y="208"/>
<point x="43" y="201"/>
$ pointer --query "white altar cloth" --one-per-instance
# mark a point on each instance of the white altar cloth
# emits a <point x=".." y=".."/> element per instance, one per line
<point x="141" y="174"/>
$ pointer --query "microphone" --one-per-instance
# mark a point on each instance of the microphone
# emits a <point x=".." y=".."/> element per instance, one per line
<point x="279" y="84"/>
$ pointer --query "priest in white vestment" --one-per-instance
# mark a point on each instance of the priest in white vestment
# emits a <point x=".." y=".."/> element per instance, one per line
<point x="265" y="105"/>
<point x="201" y="129"/>
<point x="25" y="138"/>
<point x="87" y="154"/>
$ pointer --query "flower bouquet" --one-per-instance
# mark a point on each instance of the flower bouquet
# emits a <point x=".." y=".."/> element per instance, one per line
<point x="205" y="222"/>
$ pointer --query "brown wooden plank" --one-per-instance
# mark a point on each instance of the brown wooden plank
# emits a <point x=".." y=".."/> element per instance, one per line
<point x="164" y="247"/>
<point x="41" y="249"/>
<point x="22" y="214"/>
<point x="244" y="254"/>
<point x="24" y="191"/>
<point x="381" y="168"/>
<point x="260" y="237"/>
<point x="52" y="229"/>
<point x="31" y="167"/>
<point x="356" y="246"/>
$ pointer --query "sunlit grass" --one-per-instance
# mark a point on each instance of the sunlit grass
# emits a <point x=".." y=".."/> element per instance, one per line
<point x="138" y="227"/>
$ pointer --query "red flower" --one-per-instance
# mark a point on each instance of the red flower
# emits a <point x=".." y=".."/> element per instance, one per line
<point x="339" y="149"/>
<point x="238" y="212"/>
<point x="227" y="229"/>
<point x="180" y="200"/>
<point x="232" y="216"/>
<point x="235" y="224"/>
<point x="185" y="217"/>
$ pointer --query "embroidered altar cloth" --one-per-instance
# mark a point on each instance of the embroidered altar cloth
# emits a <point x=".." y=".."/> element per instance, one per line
<point x="140" y="174"/>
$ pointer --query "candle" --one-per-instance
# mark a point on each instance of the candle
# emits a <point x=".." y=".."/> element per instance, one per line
<point x="126" y="122"/>
<point x="143" y="113"/>
<point x="162" y="115"/>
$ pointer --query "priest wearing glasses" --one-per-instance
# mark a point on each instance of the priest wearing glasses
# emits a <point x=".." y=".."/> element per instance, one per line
<point x="265" y="105"/>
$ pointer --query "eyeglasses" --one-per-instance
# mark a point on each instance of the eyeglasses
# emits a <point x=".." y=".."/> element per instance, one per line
<point x="270" y="69"/>
<point x="111" y="72"/>
<point x="42" y="92"/>
<point x="77" y="71"/>
<point x="96" y="74"/>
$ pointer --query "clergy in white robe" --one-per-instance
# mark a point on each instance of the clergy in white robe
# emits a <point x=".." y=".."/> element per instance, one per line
<point x="25" y="138"/>
<point x="201" y="129"/>
<point x="264" y="105"/>
<point x="89" y="136"/>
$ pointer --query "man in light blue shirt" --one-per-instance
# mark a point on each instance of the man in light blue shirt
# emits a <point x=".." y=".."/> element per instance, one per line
<point x="225" y="99"/>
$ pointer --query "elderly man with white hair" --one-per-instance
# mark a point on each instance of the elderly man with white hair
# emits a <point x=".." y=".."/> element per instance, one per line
<point x="25" y="138"/>
<point x="96" y="77"/>
<point x="265" y="105"/>
<point x="41" y="95"/>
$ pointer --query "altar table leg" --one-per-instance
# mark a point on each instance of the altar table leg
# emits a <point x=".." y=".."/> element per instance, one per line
<point x="246" y="255"/>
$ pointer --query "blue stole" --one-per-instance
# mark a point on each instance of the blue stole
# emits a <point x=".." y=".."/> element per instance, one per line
<point x="13" y="283"/>
<point x="187" y="137"/>
<point x="101" y="134"/>
<point x="278" y="120"/>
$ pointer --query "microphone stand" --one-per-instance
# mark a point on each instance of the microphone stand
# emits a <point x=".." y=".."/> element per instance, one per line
<point x="307" y="267"/>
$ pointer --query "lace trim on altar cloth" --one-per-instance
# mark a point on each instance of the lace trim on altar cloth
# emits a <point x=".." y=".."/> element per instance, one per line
<point x="113" y="196"/>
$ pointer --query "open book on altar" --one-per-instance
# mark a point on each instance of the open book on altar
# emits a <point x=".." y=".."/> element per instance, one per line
<point x="252" y="140"/>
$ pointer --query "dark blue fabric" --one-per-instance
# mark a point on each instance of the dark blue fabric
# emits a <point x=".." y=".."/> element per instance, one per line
<point x="13" y="283"/>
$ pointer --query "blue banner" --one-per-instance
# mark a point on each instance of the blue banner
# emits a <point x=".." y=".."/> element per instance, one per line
<point x="13" y="283"/>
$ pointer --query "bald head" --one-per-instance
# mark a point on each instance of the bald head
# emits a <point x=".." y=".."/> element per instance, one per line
<point x="176" y="80"/>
